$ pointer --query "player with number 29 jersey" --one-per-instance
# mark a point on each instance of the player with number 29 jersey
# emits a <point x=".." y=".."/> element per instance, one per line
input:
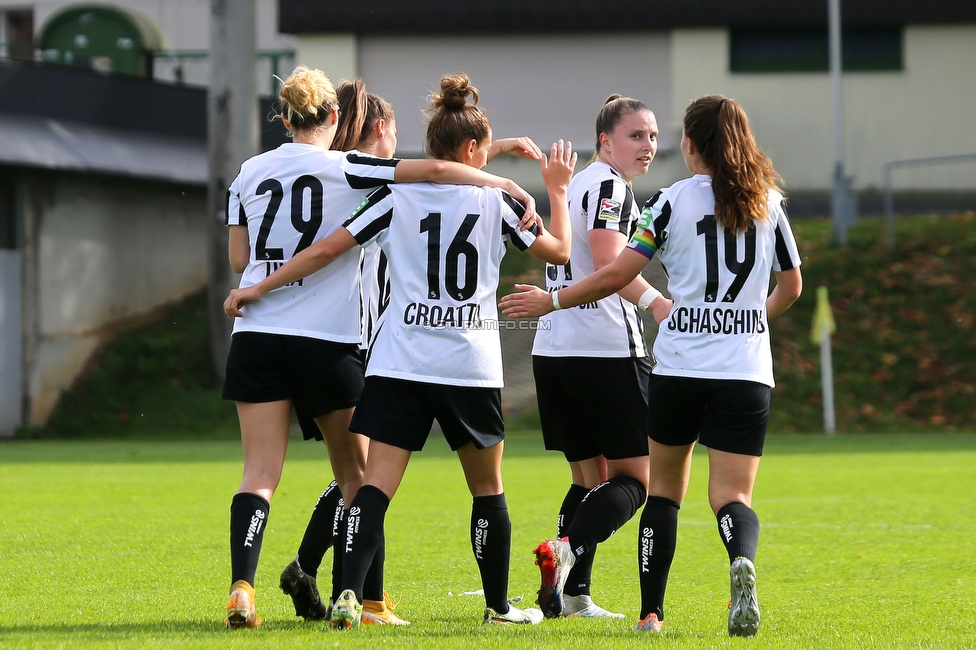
<point x="288" y="186"/>
<point x="445" y="244"/>
<point x="718" y="282"/>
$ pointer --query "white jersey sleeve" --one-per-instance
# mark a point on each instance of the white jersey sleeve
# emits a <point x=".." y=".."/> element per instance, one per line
<point x="290" y="198"/>
<point x="444" y="244"/>
<point x="599" y="198"/>
<point x="719" y="281"/>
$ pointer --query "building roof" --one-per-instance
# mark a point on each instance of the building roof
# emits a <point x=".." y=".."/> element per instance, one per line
<point x="512" y="16"/>
<point x="58" y="117"/>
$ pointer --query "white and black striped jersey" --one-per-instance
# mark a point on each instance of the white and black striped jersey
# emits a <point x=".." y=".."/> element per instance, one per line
<point x="290" y="198"/>
<point x="598" y="198"/>
<point x="375" y="272"/>
<point x="719" y="281"/>
<point x="444" y="244"/>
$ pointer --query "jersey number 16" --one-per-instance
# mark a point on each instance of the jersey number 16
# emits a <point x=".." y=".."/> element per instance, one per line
<point x="431" y="224"/>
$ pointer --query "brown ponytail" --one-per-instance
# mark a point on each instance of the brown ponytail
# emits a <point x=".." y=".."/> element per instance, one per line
<point x="742" y="174"/>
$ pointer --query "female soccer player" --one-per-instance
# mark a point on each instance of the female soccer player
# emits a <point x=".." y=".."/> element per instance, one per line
<point x="299" y="347"/>
<point x="376" y="137"/>
<point x="719" y="234"/>
<point x="436" y="353"/>
<point x="598" y="344"/>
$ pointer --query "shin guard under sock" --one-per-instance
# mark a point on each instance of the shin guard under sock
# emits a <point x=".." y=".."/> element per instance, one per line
<point x="738" y="525"/>
<point x="578" y="581"/>
<point x="318" y="532"/>
<point x="364" y="532"/>
<point x="491" y="541"/>
<point x="605" y="508"/>
<point x="248" y="518"/>
<point x="658" y="536"/>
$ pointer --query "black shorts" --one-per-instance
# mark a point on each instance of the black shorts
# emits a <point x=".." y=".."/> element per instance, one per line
<point x="400" y="413"/>
<point x="724" y="414"/>
<point x="590" y="406"/>
<point x="317" y="376"/>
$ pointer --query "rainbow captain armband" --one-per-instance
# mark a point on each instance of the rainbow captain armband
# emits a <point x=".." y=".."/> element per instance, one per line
<point x="643" y="243"/>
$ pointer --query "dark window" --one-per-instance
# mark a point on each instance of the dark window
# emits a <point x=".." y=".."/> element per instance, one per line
<point x="807" y="49"/>
<point x="8" y="214"/>
<point x="20" y="34"/>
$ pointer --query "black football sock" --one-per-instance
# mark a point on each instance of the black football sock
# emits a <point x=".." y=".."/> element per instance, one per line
<point x="248" y="518"/>
<point x="373" y="585"/>
<point x="578" y="581"/>
<point x="364" y="531"/>
<point x="318" y="532"/>
<point x="657" y="539"/>
<point x="605" y="508"/>
<point x="738" y="524"/>
<point x="567" y="510"/>
<point x="338" y="543"/>
<point x="491" y="541"/>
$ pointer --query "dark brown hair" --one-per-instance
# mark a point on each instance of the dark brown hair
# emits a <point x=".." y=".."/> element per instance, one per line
<point x="742" y="174"/>
<point x="451" y="120"/>
<point x="614" y="108"/>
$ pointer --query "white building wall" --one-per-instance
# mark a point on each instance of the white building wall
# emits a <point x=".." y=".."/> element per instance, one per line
<point x="925" y="110"/>
<point x="546" y="87"/>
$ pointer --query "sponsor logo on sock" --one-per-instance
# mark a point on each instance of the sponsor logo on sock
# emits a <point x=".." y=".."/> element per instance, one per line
<point x="725" y="525"/>
<point x="352" y="527"/>
<point x="480" y="538"/>
<point x="336" y="520"/>
<point x="257" y="520"/>
<point x="647" y="548"/>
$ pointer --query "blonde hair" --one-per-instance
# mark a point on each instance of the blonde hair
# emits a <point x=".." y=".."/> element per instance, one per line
<point x="451" y="120"/>
<point x="742" y="174"/>
<point x="307" y="98"/>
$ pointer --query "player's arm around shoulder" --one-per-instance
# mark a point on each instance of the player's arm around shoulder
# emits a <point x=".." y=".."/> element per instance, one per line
<point x="315" y="257"/>
<point x="556" y="244"/>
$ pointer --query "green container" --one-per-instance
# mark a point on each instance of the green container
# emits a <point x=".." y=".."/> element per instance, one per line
<point x="101" y="37"/>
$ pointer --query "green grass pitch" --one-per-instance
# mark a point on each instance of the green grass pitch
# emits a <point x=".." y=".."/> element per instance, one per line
<point x="868" y="541"/>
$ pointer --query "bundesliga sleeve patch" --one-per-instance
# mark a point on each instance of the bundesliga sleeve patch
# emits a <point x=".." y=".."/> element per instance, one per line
<point x="609" y="210"/>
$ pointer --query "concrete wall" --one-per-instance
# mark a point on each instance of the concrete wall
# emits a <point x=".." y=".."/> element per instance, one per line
<point x="925" y="110"/>
<point x="98" y="252"/>
<point x="10" y="342"/>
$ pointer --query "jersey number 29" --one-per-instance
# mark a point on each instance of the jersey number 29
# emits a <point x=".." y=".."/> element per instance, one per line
<point x="307" y="228"/>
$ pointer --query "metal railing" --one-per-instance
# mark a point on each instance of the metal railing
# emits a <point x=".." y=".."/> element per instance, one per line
<point x="178" y="59"/>
<point x="889" y="201"/>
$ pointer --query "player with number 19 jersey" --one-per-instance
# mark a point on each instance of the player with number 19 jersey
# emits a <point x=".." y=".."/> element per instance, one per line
<point x="717" y="328"/>
<point x="303" y="194"/>
<point x="444" y="244"/>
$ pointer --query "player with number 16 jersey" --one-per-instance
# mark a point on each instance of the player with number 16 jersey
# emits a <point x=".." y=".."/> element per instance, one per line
<point x="447" y="243"/>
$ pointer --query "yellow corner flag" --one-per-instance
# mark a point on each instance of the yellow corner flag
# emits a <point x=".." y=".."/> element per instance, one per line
<point x="822" y="316"/>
